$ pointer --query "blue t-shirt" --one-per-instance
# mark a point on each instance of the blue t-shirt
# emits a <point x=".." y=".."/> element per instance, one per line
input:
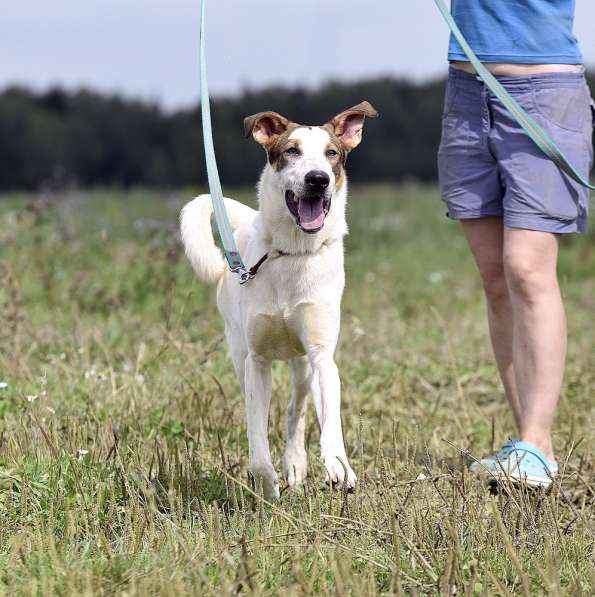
<point x="517" y="31"/>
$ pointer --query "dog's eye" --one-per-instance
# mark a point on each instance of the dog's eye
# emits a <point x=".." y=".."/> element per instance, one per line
<point x="292" y="151"/>
<point x="332" y="153"/>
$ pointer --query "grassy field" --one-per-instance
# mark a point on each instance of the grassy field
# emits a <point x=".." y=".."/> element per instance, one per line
<point x="122" y="444"/>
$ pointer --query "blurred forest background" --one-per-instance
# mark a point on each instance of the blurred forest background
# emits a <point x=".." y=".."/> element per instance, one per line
<point x="85" y="138"/>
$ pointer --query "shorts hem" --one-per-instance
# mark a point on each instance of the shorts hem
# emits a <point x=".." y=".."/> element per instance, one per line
<point x="544" y="224"/>
<point x="537" y="223"/>
<point x="472" y="215"/>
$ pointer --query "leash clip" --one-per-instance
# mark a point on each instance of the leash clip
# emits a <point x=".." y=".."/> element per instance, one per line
<point x="244" y="276"/>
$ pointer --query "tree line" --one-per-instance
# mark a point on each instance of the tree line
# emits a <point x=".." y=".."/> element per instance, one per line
<point x="91" y="139"/>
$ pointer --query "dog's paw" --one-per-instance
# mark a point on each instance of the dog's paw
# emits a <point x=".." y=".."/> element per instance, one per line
<point x="339" y="474"/>
<point x="295" y="466"/>
<point x="265" y="482"/>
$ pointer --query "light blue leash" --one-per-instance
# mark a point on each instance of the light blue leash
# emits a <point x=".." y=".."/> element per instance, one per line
<point x="537" y="134"/>
<point x="232" y="254"/>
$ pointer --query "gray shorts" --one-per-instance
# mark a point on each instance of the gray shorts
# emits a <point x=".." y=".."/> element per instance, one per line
<point x="488" y="165"/>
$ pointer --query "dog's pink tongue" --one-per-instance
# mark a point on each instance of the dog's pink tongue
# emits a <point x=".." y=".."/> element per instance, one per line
<point x="311" y="214"/>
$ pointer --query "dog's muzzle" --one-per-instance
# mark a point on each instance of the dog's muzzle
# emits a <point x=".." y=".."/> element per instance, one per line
<point x="309" y="210"/>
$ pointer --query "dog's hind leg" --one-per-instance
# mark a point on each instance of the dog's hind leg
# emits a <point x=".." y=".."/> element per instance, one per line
<point x="295" y="461"/>
<point x="258" y="390"/>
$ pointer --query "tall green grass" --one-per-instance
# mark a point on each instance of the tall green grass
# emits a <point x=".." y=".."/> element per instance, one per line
<point x="122" y="441"/>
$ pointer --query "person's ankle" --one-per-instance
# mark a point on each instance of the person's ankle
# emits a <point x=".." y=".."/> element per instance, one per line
<point x="544" y="444"/>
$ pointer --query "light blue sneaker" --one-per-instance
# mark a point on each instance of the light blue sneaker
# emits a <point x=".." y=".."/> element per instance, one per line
<point x="524" y="464"/>
<point x="487" y="464"/>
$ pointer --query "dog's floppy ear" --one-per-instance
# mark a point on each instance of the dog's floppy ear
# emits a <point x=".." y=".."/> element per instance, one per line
<point x="348" y="125"/>
<point x="265" y="127"/>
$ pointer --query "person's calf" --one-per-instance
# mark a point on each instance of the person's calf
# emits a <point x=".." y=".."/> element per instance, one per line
<point x="500" y="319"/>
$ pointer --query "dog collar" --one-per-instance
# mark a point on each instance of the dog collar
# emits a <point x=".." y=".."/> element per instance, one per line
<point x="276" y="253"/>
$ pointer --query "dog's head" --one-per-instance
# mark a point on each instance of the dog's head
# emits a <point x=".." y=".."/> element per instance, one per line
<point x="309" y="161"/>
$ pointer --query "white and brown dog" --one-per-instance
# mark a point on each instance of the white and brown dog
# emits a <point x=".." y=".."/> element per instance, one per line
<point x="291" y="309"/>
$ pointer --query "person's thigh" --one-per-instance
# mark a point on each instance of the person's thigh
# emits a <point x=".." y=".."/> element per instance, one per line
<point x="468" y="173"/>
<point x="539" y="196"/>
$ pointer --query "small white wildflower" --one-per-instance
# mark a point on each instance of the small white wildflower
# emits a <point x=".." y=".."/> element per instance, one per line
<point x="420" y="477"/>
<point x="358" y="330"/>
<point x="3" y="385"/>
<point x="140" y="378"/>
<point x="436" y="277"/>
<point x="63" y="356"/>
<point x="32" y="398"/>
<point x="82" y="453"/>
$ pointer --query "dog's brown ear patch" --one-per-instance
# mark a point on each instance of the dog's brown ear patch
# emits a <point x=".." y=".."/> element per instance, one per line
<point x="348" y="125"/>
<point x="265" y="127"/>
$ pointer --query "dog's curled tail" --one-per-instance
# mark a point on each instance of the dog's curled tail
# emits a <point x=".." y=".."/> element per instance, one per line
<point x="197" y="235"/>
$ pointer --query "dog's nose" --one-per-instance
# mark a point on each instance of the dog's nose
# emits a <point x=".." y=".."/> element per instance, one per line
<point x="317" y="180"/>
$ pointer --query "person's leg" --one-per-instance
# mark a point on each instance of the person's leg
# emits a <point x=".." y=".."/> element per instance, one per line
<point x="486" y="239"/>
<point x="539" y="334"/>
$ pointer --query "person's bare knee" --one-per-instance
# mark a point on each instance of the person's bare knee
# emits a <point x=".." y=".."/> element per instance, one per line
<point x="526" y="280"/>
<point x="529" y="259"/>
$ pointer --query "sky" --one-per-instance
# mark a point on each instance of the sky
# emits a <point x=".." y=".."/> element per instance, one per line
<point x="149" y="48"/>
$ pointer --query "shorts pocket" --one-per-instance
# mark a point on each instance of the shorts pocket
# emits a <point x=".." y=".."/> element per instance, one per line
<point x="537" y="184"/>
<point x="566" y="107"/>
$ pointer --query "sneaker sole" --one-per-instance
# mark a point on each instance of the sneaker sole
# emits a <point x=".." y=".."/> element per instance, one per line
<point x="527" y="480"/>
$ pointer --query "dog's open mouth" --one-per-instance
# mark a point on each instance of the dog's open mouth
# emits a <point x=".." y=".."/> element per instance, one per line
<point x="309" y="211"/>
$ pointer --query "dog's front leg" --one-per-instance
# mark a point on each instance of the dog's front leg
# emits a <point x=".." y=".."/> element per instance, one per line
<point x="326" y="390"/>
<point x="295" y="460"/>
<point x="258" y="400"/>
